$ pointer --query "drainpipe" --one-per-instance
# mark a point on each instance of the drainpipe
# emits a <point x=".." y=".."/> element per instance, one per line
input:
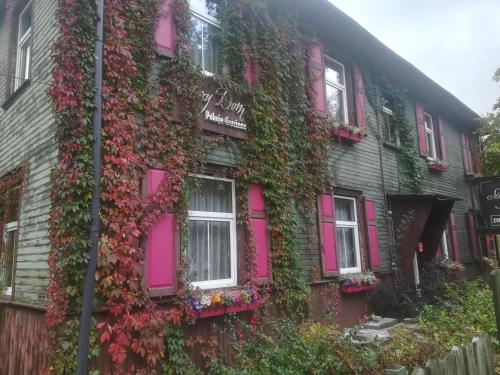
<point x="387" y="207"/>
<point x="95" y="223"/>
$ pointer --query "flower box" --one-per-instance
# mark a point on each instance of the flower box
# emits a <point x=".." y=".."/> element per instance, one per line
<point x="356" y="288"/>
<point x="345" y="134"/>
<point x="222" y="310"/>
<point x="437" y="167"/>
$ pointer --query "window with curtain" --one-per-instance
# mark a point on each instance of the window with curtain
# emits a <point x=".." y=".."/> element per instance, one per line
<point x="205" y="36"/>
<point x="431" y="136"/>
<point x="346" y="226"/>
<point x="445" y="245"/>
<point x="336" y="91"/>
<point x="212" y="233"/>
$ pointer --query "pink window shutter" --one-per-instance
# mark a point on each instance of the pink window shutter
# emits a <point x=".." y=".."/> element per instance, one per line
<point x="474" y="239"/>
<point x="165" y="29"/>
<point x="422" y="139"/>
<point x="317" y="72"/>
<point x="326" y="218"/>
<point x="371" y="222"/>
<point x="162" y="246"/>
<point x="442" y="144"/>
<point x="454" y="238"/>
<point x="359" y="99"/>
<point x="258" y="225"/>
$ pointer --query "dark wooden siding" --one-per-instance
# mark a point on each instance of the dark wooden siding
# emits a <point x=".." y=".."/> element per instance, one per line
<point x="23" y="342"/>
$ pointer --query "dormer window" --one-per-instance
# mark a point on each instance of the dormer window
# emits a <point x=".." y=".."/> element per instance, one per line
<point x="206" y="36"/>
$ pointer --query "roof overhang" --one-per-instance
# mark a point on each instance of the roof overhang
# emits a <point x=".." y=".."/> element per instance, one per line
<point x="434" y="197"/>
<point x="341" y="30"/>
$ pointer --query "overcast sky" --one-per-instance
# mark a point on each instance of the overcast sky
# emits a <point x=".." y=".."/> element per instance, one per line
<point x="454" y="42"/>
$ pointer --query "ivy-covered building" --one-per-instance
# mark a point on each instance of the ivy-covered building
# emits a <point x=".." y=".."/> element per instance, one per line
<point x="259" y="157"/>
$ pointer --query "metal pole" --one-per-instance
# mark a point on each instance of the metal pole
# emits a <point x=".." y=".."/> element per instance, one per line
<point x="95" y="223"/>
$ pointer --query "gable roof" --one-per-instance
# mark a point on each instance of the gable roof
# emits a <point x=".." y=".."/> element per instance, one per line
<point x="335" y="27"/>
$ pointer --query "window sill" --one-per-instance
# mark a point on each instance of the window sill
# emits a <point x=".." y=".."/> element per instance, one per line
<point x="345" y="135"/>
<point x="356" y="289"/>
<point x="13" y="96"/>
<point x="217" y="311"/>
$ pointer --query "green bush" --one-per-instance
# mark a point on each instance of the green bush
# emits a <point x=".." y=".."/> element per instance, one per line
<point x="401" y="300"/>
<point x="308" y="348"/>
<point x="465" y="311"/>
<point x="408" y="349"/>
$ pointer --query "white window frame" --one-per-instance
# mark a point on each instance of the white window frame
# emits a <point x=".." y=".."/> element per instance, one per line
<point x="204" y="17"/>
<point x="220" y="216"/>
<point x="22" y="40"/>
<point x="429" y="130"/>
<point x="355" y="226"/>
<point x="389" y="112"/>
<point x="445" y="254"/>
<point x="338" y="86"/>
<point x="10" y="227"/>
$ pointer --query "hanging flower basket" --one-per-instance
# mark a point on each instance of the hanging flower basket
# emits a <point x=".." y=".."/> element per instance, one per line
<point x="217" y="311"/>
<point x="222" y="302"/>
<point x="358" y="282"/>
<point x="348" y="133"/>
<point x="356" y="289"/>
<point x="437" y="166"/>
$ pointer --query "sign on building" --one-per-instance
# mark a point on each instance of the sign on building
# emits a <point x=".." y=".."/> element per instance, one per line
<point x="490" y="203"/>
<point x="222" y="111"/>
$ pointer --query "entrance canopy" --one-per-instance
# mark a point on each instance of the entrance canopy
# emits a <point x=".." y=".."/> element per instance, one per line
<point x="419" y="219"/>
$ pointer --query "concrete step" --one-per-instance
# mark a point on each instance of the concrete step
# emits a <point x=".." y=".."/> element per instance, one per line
<point x="379" y="323"/>
<point x="368" y="335"/>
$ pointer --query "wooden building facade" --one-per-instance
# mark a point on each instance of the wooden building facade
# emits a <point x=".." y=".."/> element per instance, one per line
<point x="373" y="219"/>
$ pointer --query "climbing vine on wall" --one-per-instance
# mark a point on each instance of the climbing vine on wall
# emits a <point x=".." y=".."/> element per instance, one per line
<point x="72" y="97"/>
<point x="287" y="149"/>
<point x="150" y="106"/>
<point x="374" y="89"/>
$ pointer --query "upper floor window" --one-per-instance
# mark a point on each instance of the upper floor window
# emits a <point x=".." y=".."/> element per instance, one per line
<point x="391" y="134"/>
<point x="346" y="228"/>
<point x="336" y="95"/>
<point x="206" y="36"/>
<point x="23" y="46"/>
<point x="430" y="134"/>
<point x="212" y="233"/>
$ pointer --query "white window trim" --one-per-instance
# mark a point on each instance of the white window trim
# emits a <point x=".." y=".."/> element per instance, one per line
<point x="338" y="86"/>
<point x="430" y="130"/>
<point x="444" y="246"/>
<point x="416" y="272"/>
<point x="9" y="227"/>
<point x="226" y="217"/>
<point x="20" y="77"/>
<point x="195" y="12"/>
<point x="351" y="224"/>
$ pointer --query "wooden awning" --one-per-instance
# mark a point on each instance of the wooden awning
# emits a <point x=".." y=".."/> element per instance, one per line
<point x="419" y="218"/>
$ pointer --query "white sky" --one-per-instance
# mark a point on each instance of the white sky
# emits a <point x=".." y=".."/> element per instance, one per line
<point x="454" y="42"/>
